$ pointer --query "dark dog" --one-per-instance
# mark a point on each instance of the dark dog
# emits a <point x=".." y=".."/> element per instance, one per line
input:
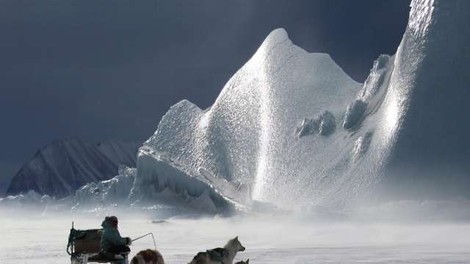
<point x="148" y="256"/>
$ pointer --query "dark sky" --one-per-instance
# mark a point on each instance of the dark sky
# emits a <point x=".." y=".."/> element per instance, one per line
<point x="109" y="69"/>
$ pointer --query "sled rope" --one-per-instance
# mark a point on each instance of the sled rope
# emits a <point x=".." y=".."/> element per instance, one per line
<point x="155" y="244"/>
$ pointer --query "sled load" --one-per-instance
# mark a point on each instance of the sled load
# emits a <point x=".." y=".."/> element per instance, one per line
<point x="84" y="247"/>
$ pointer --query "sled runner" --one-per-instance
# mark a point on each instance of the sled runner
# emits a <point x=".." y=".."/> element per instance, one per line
<point x="84" y="247"/>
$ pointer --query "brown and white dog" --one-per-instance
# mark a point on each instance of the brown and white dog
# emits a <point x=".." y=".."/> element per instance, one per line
<point x="149" y="256"/>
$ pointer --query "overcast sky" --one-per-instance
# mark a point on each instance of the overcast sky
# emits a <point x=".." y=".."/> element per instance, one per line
<point x="109" y="69"/>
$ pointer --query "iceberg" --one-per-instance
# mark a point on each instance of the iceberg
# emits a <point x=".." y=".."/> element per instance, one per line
<point x="160" y="181"/>
<point x="112" y="191"/>
<point x="404" y="126"/>
<point x="247" y="138"/>
<point x="291" y="130"/>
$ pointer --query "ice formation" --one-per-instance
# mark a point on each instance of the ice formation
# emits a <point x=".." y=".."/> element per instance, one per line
<point x="431" y="84"/>
<point x="245" y="146"/>
<point x="161" y="180"/>
<point x="114" y="190"/>
<point x="324" y="124"/>
<point x="354" y="113"/>
<point x="291" y="130"/>
<point x="28" y="199"/>
<point x="247" y="137"/>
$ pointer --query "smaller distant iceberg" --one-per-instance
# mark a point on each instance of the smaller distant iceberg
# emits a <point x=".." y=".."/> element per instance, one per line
<point x="160" y="179"/>
<point x="26" y="200"/>
<point x="113" y="191"/>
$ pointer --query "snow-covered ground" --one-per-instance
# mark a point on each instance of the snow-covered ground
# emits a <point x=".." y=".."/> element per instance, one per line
<point x="43" y="239"/>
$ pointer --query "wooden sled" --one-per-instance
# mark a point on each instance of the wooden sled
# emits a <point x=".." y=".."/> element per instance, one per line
<point x="84" y="247"/>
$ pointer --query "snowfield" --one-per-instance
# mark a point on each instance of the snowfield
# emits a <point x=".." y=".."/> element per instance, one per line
<point x="272" y="240"/>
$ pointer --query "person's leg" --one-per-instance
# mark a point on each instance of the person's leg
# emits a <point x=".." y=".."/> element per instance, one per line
<point x="124" y="261"/>
<point x="120" y="250"/>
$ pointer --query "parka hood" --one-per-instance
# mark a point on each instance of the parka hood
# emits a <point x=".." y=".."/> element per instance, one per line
<point x="107" y="222"/>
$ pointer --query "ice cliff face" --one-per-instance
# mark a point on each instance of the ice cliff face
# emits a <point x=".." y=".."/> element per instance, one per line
<point x="291" y="128"/>
<point x="432" y="81"/>
<point x="61" y="167"/>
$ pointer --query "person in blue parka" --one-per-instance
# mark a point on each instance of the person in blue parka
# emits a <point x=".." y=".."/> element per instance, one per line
<point x="111" y="241"/>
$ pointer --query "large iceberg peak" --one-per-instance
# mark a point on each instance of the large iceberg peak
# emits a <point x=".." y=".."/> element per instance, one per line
<point x="247" y="139"/>
<point x="274" y="38"/>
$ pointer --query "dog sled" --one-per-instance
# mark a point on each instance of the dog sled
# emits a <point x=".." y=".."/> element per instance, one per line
<point x="84" y="247"/>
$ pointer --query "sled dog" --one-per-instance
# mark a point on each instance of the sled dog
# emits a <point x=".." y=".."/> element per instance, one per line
<point x="223" y="255"/>
<point x="149" y="256"/>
